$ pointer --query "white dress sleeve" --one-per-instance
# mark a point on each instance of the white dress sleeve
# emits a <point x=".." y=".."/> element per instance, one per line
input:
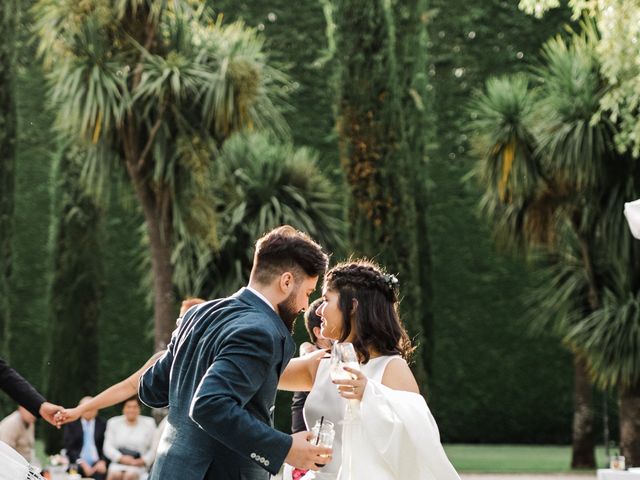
<point x="399" y="428"/>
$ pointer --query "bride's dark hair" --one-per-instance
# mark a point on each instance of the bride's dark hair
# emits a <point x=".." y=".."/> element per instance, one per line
<point x="376" y="320"/>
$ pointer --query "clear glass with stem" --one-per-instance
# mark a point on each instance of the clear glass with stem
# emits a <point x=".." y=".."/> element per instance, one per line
<point x="343" y="355"/>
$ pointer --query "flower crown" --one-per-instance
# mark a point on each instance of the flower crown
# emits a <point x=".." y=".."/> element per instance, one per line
<point x="391" y="280"/>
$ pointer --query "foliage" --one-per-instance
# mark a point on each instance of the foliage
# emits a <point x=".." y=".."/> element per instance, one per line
<point x="588" y="255"/>
<point x="619" y="25"/>
<point x="611" y="335"/>
<point x="8" y="21"/>
<point x="75" y="290"/>
<point x="153" y="89"/>
<point x="511" y="173"/>
<point x="479" y="391"/>
<point x="379" y="165"/>
<point x="262" y="184"/>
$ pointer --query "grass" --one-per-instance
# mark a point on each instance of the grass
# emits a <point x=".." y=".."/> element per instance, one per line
<point x="515" y="458"/>
<point x="493" y="458"/>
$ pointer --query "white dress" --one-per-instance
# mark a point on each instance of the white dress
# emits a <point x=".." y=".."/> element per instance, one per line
<point x="390" y="435"/>
<point x="13" y="466"/>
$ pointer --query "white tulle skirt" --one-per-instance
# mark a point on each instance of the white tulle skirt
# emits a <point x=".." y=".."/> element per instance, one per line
<point x="13" y="466"/>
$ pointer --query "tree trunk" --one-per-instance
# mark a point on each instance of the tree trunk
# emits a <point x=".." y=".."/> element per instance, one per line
<point x="160" y="234"/>
<point x="583" y="435"/>
<point x="164" y="300"/>
<point x="630" y="424"/>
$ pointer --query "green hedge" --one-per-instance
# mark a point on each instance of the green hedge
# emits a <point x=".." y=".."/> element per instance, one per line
<point x="492" y="381"/>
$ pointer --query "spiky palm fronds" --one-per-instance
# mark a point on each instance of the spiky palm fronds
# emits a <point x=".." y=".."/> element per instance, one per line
<point x="508" y="168"/>
<point x="500" y="120"/>
<point x="611" y="338"/>
<point x="264" y="183"/>
<point x="574" y="140"/>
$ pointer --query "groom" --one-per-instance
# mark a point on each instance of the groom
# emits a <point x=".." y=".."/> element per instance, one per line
<point x="220" y="372"/>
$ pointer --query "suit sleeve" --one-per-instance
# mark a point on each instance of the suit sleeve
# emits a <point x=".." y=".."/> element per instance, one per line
<point x="19" y="389"/>
<point x="153" y="388"/>
<point x="236" y="374"/>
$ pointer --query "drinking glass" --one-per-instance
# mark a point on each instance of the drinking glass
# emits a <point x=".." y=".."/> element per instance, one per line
<point x="323" y="435"/>
<point x="343" y="355"/>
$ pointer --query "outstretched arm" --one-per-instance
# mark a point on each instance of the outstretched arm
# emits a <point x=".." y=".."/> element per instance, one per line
<point x="300" y="373"/>
<point x="23" y="393"/>
<point x="114" y="394"/>
<point x="19" y="389"/>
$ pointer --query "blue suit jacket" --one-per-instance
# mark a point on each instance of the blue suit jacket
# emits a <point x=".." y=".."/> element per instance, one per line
<point x="219" y="378"/>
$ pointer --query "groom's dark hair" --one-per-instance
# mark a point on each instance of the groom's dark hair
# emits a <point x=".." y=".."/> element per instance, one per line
<point x="287" y="249"/>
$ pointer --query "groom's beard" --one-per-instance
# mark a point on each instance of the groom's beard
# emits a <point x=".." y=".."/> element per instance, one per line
<point x="287" y="310"/>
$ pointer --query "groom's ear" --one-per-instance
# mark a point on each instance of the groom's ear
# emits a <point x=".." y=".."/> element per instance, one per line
<point x="286" y="282"/>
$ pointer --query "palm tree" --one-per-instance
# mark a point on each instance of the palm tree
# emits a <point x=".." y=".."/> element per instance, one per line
<point x="546" y="181"/>
<point x="262" y="183"/>
<point x="151" y="89"/>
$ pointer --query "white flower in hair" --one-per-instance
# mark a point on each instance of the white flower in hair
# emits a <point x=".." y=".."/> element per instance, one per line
<point x="391" y="280"/>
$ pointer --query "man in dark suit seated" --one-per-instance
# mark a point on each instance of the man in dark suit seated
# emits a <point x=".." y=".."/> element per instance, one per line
<point x="220" y="372"/>
<point x="83" y="440"/>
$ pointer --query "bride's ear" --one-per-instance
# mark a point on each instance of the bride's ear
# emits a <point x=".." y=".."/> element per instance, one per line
<point x="354" y="306"/>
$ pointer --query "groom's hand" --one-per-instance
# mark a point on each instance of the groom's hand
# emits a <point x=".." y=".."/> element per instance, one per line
<point x="303" y="454"/>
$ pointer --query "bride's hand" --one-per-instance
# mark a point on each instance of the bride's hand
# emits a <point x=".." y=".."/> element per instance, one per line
<point x="352" y="389"/>
<point x="67" y="415"/>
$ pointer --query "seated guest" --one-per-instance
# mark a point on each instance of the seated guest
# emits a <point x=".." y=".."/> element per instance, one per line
<point x="83" y="440"/>
<point x="128" y="443"/>
<point x="18" y="431"/>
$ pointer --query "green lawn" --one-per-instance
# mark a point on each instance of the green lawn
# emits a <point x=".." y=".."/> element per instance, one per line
<point x="515" y="458"/>
<point x="496" y="458"/>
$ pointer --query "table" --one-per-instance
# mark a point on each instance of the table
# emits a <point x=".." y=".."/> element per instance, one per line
<point x="609" y="474"/>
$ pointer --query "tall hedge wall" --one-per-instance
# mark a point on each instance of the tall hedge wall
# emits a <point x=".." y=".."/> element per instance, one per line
<point x="492" y="381"/>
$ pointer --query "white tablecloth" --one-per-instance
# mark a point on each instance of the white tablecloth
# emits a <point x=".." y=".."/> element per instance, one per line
<point x="608" y="474"/>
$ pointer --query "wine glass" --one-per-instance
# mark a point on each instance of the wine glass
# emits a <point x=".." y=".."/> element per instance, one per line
<point x="344" y="355"/>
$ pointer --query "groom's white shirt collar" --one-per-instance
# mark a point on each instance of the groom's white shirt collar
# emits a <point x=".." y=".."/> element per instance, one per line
<point x="261" y="297"/>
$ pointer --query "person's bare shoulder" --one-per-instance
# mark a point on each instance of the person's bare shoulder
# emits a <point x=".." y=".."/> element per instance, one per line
<point x="398" y="376"/>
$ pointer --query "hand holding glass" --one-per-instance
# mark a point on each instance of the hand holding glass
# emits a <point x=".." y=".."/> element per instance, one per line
<point x="323" y="435"/>
<point x="343" y="355"/>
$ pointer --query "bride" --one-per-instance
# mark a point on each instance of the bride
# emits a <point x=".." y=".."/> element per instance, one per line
<point x="384" y="429"/>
